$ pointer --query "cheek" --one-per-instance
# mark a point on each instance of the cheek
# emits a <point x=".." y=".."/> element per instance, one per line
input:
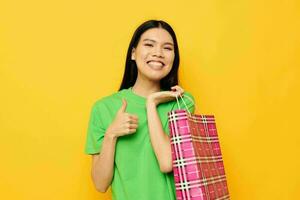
<point x="142" y="53"/>
<point x="171" y="57"/>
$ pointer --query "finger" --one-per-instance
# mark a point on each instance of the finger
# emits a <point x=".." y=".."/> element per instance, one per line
<point x="177" y="88"/>
<point x="133" y="121"/>
<point x="180" y="89"/>
<point x="172" y="94"/>
<point x="123" y="107"/>
<point x="176" y="94"/>
<point x="135" y="117"/>
<point x="133" y="126"/>
<point x="130" y="118"/>
<point x="130" y="130"/>
<point x="173" y="88"/>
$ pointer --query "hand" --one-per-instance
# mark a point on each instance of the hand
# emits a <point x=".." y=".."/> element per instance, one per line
<point x="165" y="96"/>
<point x="124" y="123"/>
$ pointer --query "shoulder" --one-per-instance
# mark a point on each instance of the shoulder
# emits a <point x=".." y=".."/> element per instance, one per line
<point x="187" y="101"/>
<point x="104" y="102"/>
<point x="188" y="96"/>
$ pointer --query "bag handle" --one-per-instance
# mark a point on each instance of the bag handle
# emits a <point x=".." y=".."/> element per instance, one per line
<point x="185" y="102"/>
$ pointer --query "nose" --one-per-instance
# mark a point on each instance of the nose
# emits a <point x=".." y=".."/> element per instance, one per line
<point x="157" y="52"/>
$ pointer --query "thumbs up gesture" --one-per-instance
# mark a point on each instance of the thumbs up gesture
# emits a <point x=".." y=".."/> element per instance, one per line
<point x="124" y="123"/>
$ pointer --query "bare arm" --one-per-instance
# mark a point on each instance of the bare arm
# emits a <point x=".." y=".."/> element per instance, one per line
<point x="103" y="164"/>
<point x="159" y="139"/>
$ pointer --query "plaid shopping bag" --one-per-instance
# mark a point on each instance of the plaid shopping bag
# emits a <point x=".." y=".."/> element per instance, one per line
<point x="197" y="160"/>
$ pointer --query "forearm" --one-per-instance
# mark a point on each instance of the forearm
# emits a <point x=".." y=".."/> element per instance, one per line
<point x="159" y="140"/>
<point x="103" y="167"/>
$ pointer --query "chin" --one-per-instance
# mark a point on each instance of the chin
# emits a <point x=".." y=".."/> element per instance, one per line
<point x="156" y="78"/>
<point x="155" y="75"/>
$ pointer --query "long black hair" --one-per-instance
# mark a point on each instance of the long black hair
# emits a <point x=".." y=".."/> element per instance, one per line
<point x="131" y="72"/>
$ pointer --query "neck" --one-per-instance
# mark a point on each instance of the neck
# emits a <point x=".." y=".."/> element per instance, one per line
<point x="144" y="87"/>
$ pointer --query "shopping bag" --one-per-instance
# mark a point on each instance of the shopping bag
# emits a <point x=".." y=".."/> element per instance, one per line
<point x="197" y="160"/>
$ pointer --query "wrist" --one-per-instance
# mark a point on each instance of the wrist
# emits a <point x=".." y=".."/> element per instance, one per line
<point x="110" y="134"/>
<point x="151" y="102"/>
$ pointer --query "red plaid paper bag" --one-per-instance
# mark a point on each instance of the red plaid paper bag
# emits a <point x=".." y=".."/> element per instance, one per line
<point x="197" y="160"/>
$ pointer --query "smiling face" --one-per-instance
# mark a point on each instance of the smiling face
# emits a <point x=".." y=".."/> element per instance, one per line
<point x="154" y="54"/>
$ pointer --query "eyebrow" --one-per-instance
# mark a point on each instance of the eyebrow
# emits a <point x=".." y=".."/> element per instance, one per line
<point x="155" y="41"/>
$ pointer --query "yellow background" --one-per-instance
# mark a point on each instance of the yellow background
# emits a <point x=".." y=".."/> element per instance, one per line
<point x="240" y="59"/>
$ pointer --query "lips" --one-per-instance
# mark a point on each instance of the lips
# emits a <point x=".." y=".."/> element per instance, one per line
<point x="156" y="63"/>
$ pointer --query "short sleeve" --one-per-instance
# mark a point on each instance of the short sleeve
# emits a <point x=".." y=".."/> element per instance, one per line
<point x="95" y="131"/>
<point x="186" y="102"/>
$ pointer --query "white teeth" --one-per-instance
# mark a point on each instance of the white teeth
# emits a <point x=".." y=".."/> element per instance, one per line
<point x="154" y="63"/>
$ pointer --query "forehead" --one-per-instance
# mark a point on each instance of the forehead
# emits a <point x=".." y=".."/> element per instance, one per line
<point x="157" y="34"/>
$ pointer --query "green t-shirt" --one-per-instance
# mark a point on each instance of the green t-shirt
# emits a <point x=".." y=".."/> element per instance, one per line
<point x="137" y="175"/>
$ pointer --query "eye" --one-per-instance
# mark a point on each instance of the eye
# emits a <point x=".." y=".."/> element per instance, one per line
<point x="169" y="48"/>
<point x="150" y="45"/>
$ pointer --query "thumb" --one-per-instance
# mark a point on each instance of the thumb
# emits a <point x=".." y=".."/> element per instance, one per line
<point x="123" y="107"/>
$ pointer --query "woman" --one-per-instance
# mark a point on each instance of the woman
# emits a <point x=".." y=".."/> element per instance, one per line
<point x="128" y="134"/>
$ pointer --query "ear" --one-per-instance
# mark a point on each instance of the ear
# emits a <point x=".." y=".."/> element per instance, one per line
<point x="133" y="54"/>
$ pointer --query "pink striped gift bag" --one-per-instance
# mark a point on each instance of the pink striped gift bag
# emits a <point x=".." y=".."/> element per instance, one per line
<point x="197" y="160"/>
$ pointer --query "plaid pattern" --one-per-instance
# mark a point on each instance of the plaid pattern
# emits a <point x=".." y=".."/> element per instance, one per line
<point x="197" y="160"/>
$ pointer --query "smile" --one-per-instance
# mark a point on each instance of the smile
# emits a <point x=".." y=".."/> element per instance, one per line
<point x="157" y="65"/>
